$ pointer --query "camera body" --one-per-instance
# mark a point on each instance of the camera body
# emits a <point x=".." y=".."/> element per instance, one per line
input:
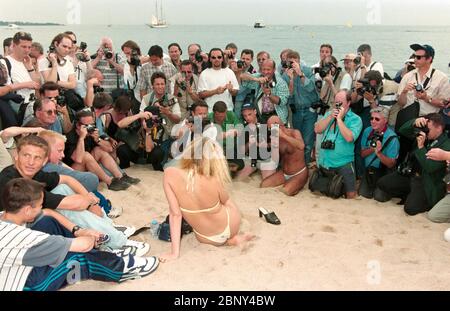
<point x="182" y="85"/>
<point x="51" y="49"/>
<point x="320" y="107"/>
<point x="286" y="64"/>
<point x="419" y="88"/>
<point x="327" y="145"/>
<point x="134" y="59"/>
<point x="108" y="53"/>
<point x="156" y="119"/>
<point x="240" y="64"/>
<point x="357" y="60"/>
<point x="377" y="136"/>
<point x="198" y="56"/>
<point x="323" y="71"/>
<point x="366" y="87"/>
<point x="418" y="129"/>
<point x="270" y="84"/>
<point x="90" y="128"/>
<point x="98" y="89"/>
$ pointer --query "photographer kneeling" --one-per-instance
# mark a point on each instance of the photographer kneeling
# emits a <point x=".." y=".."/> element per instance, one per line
<point x="419" y="180"/>
<point x="380" y="148"/>
<point x="340" y="128"/>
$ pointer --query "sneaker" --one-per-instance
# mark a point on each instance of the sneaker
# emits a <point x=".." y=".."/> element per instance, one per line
<point x="130" y="180"/>
<point x="124" y="251"/>
<point x="137" y="267"/>
<point x="142" y="248"/>
<point x="118" y="185"/>
<point x="115" y="211"/>
<point x="127" y="230"/>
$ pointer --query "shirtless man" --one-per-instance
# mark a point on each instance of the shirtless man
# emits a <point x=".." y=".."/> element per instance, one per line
<point x="294" y="174"/>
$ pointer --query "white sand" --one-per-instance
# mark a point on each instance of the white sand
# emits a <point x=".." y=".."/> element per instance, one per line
<point x="322" y="244"/>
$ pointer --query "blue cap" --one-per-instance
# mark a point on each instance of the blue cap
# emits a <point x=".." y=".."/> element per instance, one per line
<point x="427" y="48"/>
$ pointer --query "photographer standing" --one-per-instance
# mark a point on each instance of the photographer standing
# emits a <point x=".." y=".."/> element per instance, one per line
<point x="303" y="93"/>
<point x="110" y="65"/>
<point x="419" y="180"/>
<point x="340" y="128"/>
<point x="57" y="66"/>
<point x="380" y="148"/>
<point x="271" y="92"/>
<point x="185" y="87"/>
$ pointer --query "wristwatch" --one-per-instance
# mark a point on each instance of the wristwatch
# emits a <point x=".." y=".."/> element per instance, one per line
<point x="75" y="229"/>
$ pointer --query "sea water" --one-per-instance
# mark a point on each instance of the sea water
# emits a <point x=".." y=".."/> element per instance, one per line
<point x="390" y="44"/>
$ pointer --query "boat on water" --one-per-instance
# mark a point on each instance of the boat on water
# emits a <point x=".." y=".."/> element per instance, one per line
<point x="158" y="20"/>
<point x="259" y="24"/>
<point x="12" y="26"/>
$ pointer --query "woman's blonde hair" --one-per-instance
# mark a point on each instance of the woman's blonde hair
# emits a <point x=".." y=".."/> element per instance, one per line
<point x="205" y="157"/>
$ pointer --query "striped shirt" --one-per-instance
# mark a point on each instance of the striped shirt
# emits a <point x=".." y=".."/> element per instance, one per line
<point x="110" y="75"/>
<point x="148" y="69"/>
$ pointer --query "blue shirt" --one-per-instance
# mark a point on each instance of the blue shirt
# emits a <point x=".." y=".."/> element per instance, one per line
<point x="304" y="94"/>
<point x="344" y="152"/>
<point x="56" y="126"/>
<point x="390" y="151"/>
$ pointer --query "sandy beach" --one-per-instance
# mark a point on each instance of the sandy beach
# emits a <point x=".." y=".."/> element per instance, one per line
<point x="322" y="244"/>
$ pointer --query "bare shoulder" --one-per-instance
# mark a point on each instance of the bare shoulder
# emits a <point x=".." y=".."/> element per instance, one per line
<point x="172" y="172"/>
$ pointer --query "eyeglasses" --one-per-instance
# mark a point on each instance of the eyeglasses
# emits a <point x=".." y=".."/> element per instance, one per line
<point x="419" y="56"/>
<point x="216" y="57"/>
<point x="51" y="112"/>
<point x="374" y="118"/>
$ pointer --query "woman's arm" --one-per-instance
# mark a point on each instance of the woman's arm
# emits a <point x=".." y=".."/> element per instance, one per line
<point x="174" y="216"/>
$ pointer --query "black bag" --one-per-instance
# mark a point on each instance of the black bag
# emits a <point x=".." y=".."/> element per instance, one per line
<point x="328" y="182"/>
<point x="406" y="114"/>
<point x="73" y="100"/>
<point x="164" y="229"/>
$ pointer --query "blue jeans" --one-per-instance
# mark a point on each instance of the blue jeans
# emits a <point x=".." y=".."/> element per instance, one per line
<point x="87" y="179"/>
<point x="304" y="120"/>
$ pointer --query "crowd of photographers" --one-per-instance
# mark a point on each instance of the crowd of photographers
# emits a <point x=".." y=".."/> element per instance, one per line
<point x="362" y="131"/>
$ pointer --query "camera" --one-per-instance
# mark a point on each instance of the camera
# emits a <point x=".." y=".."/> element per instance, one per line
<point x="51" y="49"/>
<point x="377" y="136"/>
<point x="366" y="87"/>
<point x="323" y="71"/>
<point x="357" y="60"/>
<point x="61" y="98"/>
<point x="419" y="88"/>
<point x="320" y="107"/>
<point x="156" y="119"/>
<point x="182" y="85"/>
<point x="405" y="169"/>
<point x="327" y="145"/>
<point x="270" y="84"/>
<point x="166" y="101"/>
<point x="98" y="89"/>
<point x="410" y="67"/>
<point x="80" y="55"/>
<point x="418" y="129"/>
<point x="134" y="59"/>
<point x="198" y="56"/>
<point x="240" y="64"/>
<point x="108" y="53"/>
<point x="90" y="128"/>
<point x="286" y="64"/>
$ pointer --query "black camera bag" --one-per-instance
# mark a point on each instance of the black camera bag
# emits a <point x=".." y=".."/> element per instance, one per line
<point x="327" y="182"/>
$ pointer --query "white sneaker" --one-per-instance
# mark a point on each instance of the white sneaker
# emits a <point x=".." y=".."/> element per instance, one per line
<point x="142" y="248"/>
<point x="127" y="230"/>
<point x="137" y="267"/>
<point x="115" y="211"/>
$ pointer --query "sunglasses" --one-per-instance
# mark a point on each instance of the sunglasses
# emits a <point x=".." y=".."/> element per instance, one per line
<point x="419" y="56"/>
<point x="51" y="112"/>
<point x="373" y="118"/>
<point x="216" y="57"/>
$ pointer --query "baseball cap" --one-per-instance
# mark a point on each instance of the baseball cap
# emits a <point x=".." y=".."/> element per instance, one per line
<point x="247" y="106"/>
<point x="427" y="48"/>
<point x="349" y="56"/>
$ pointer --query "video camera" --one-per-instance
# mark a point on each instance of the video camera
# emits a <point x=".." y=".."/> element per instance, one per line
<point x="366" y="87"/>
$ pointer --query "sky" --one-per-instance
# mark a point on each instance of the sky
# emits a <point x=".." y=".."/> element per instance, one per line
<point x="241" y="12"/>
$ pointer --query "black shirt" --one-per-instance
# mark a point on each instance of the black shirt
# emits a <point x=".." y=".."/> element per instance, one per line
<point x="51" y="180"/>
<point x="71" y="145"/>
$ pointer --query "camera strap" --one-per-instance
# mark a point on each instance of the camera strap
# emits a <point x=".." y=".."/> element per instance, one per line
<point x="427" y="80"/>
<point x="117" y="74"/>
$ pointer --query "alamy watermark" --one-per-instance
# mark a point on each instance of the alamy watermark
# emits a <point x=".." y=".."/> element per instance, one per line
<point x="73" y="16"/>
<point x="374" y="12"/>
<point x="374" y="275"/>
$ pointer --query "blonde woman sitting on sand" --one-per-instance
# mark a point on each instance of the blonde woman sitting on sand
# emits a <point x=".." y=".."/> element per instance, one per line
<point x="196" y="191"/>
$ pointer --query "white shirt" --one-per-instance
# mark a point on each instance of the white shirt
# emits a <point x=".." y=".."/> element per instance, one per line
<point x="63" y="71"/>
<point x="20" y="74"/>
<point x="210" y="79"/>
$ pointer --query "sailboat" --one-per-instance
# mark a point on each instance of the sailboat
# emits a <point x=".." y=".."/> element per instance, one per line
<point x="158" y="20"/>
